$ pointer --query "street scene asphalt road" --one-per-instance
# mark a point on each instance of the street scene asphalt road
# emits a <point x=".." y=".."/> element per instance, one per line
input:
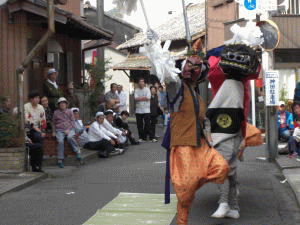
<point x="72" y="195"/>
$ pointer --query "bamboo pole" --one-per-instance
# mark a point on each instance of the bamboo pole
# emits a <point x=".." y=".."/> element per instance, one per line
<point x="187" y="28"/>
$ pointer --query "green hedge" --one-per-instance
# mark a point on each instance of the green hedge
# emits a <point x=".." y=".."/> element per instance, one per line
<point x="10" y="129"/>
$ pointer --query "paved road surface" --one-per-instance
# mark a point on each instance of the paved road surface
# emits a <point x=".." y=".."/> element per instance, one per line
<point x="72" y="195"/>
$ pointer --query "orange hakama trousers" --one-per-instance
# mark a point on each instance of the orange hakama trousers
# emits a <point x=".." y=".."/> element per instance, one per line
<point x="190" y="168"/>
<point x="253" y="136"/>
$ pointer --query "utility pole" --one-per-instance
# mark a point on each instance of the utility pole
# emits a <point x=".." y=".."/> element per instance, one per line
<point x="203" y="87"/>
<point x="270" y="111"/>
<point x="100" y="16"/>
<point x="270" y="116"/>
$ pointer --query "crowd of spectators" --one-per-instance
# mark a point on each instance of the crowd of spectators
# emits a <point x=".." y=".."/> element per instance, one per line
<point x="58" y="116"/>
<point x="288" y="127"/>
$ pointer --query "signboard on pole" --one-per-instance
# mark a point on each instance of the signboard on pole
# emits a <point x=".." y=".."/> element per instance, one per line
<point x="266" y="5"/>
<point x="272" y="87"/>
<point x="250" y="4"/>
<point x="249" y="8"/>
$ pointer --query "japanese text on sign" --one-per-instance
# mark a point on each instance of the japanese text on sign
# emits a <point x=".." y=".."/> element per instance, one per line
<point x="266" y="5"/>
<point x="272" y="87"/>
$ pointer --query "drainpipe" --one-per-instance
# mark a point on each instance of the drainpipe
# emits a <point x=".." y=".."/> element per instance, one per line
<point x="37" y="48"/>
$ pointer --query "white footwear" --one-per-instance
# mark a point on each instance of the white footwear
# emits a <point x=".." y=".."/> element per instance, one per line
<point x="154" y="140"/>
<point x="142" y="141"/>
<point x="222" y="211"/>
<point x="298" y="159"/>
<point x="233" y="213"/>
<point x="120" y="150"/>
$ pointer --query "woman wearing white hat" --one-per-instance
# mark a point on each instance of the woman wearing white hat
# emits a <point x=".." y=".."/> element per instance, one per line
<point x="64" y="126"/>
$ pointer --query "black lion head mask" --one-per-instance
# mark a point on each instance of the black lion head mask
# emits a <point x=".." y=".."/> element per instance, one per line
<point x="239" y="61"/>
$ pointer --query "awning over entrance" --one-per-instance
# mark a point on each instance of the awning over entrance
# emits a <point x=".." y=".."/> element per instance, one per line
<point x="66" y="22"/>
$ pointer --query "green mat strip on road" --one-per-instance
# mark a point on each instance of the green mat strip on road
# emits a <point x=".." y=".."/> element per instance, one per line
<point x="135" y="209"/>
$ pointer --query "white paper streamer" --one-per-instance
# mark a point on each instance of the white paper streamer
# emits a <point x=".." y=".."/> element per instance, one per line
<point x="126" y="6"/>
<point x="250" y="35"/>
<point x="161" y="59"/>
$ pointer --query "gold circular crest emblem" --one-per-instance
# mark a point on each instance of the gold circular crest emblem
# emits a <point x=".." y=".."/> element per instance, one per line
<point x="224" y="120"/>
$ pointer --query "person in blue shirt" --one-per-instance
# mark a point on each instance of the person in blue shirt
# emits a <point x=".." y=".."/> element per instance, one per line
<point x="285" y="123"/>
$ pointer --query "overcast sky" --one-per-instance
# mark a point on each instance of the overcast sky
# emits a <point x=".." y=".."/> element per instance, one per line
<point x="157" y="11"/>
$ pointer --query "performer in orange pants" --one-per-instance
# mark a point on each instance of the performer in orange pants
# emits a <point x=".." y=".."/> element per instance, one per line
<point x="253" y="138"/>
<point x="192" y="161"/>
<point x="190" y="168"/>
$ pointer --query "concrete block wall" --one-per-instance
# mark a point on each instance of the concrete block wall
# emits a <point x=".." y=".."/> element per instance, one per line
<point x="12" y="160"/>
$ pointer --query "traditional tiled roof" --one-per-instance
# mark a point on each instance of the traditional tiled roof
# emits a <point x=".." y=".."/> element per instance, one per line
<point x="134" y="62"/>
<point x="174" y="29"/>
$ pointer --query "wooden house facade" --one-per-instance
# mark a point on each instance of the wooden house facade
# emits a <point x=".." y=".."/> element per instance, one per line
<point x="23" y="24"/>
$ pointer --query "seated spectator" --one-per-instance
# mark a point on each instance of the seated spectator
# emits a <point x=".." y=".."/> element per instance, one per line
<point x="294" y="143"/>
<point x="296" y="113"/>
<point x="110" y="117"/>
<point x="48" y="112"/>
<point x="290" y="106"/>
<point x="102" y="103"/>
<point x="109" y="105"/>
<point x="110" y="126"/>
<point x="80" y="128"/>
<point x="36" y="155"/>
<point x="6" y="106"/>
<point x="64" y="127"/>
<point x="121" y="123"/>
<point x="35" y="118"/>
<point x="285" y="123"/>
<point x="101" y="139"/>
<point x="112" y="97"/>
<point x="72" y="98"/>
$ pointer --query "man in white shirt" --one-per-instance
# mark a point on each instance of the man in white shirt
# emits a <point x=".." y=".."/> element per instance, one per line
<point x="142" y="98"/>
<point x="80" y="128"/>
<point x="123" y="99"/>
<point x="101" y="139"/>
<point x="108" y="124"/>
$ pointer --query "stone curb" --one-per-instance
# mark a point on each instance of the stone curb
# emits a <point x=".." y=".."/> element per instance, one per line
<point x="24" y="184"/>
<point x="293" y="184"/>
<point x="71" y="160"/>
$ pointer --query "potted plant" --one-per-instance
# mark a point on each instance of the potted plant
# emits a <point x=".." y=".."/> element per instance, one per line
<point x="12" y="148"/>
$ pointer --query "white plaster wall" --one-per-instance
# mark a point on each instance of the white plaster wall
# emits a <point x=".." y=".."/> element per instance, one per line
<point x="287" y="80"/>
<point x="2" y="2"/>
